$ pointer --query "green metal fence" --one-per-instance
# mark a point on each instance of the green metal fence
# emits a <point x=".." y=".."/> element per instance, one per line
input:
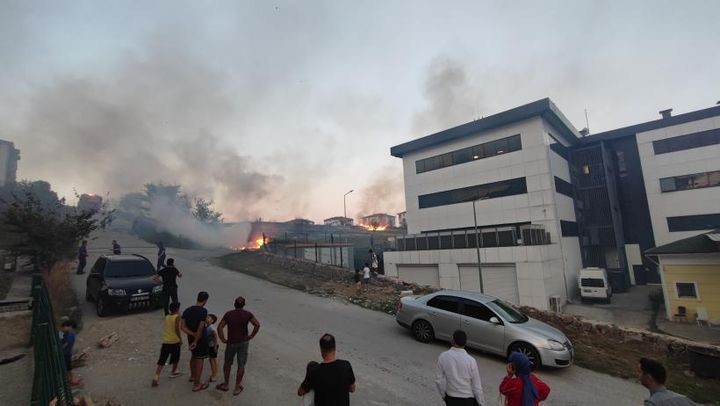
<point x="50" y="379"/>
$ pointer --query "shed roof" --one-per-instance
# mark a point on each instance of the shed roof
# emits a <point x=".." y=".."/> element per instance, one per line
<point x="704" y="243"/>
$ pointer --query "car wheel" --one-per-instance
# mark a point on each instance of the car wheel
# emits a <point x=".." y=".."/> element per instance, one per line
<point x="529" y="352"/>
<point x="423" y="331"/>
<point x="101" y="308"/>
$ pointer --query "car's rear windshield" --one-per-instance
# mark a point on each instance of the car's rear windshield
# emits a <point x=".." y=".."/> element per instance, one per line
<point x="129" y="269"/>
<point x="507" y="312"/>
<point x="592" y="282"/>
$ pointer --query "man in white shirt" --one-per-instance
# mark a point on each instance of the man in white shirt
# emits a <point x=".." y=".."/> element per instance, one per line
<point x="458" y="378"/>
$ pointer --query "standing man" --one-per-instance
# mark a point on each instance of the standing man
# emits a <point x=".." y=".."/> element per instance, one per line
<point x="160" y="255"/>
<point x="116" y="248"/>
<point x="169" y="276"/>
<point x="82" y="257"/>
<point x="652" y="375"/>
<point x="193" y="324"/>
<point x="237" y="342"/>
<point x="333" y="380"/>
<point x="457" y="378"/>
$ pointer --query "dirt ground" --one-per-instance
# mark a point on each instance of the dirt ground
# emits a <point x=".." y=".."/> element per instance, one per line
<point x="381" y="295"/>
<point x="596" y="352"/>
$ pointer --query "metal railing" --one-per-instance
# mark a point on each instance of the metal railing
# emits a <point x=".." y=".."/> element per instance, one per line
<point x="50" y="378"/>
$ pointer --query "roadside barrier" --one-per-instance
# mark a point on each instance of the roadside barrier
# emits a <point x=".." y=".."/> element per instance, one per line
<point x="50" y="378"/>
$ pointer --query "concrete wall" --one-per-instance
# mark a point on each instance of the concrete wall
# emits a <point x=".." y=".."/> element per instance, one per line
<point x="655" y="167"/>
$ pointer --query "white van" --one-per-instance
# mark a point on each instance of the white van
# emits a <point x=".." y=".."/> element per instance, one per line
<point x="594" y="285"/>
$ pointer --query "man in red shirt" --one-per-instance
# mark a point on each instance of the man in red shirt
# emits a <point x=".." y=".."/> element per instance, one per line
<point x="237" y="342"/>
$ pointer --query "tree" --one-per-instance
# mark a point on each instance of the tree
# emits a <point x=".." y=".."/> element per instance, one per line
<point x="47" y="231"/>
<point x="204" y="213"/>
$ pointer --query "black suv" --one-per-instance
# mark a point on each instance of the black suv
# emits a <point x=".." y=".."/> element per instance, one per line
<point x="123" y="282"/>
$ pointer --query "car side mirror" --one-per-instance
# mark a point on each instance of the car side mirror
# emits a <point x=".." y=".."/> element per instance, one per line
<point x="494" y="320"/>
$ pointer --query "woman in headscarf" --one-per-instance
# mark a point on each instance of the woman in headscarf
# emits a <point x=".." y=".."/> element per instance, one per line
<point x="521" y="387"/>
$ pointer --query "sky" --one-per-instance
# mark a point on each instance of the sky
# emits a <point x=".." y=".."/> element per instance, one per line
<point x="276" y="109"/>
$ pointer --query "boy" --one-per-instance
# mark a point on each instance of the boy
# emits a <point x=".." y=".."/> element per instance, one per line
<point x="171" y="343"/>
<point x="366" y="277"/>
<point x="214" y="344"/>
<point x="68" y="343"/>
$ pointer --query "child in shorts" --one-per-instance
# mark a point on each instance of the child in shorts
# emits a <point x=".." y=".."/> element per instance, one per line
<point x="214" y="344"/>
<point x="171" y="343"/>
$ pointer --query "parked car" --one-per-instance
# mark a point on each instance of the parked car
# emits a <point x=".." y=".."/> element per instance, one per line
<point x="123" y="282"/>
<point x="491" y="325"/>
<point x="594" y="285"/>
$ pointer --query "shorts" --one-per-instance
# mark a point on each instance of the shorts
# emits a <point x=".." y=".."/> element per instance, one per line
<point x="212" y="352"/>
<point x="202" y="349"/>
<point x="366" y="281"/>
<point x="68" y="362"/>
<point x="171" y="351"/>
<point x="238" y="350"/>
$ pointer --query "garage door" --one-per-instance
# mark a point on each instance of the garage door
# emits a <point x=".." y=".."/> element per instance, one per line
<point x="498" y="280"/>
<point x="426" y="275"/>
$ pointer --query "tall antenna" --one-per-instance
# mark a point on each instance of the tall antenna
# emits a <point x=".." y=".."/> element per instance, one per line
<point x="587" y="122"/>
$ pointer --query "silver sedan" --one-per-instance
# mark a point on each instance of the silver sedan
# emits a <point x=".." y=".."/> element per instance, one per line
<point x="491" y="325"/>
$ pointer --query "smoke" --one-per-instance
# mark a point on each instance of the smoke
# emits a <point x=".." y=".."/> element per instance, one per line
<point x="451" y="96"/>
<point x="383" y="194"/>
<point x="176" y="220"/>
<point x="156" y="116"/>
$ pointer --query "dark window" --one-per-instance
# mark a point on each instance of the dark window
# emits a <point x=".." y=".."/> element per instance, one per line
<point x="445" y="242"/>
<point x="472" y="240"/>
<point x="487" y="191"/>
<point x="563" y="187"/>
<point x="447" y="303"/>
<point x="433" y="242"/>
<point x="129" y="269"/>
<point x="694" y="181"/>
<point x="489" y="239"/>
<point x="592" y="282"/>
<point x="694" y="223"/>
<point x="99" y="266"/>
<point x="459" y="241"/>
<point x="689" y="141"/>
<point x="477" y="310"/>
<point x="460" y="156"/>
<point x="569" y="228"/>
<point x="685" y="289"/>
<point x="560" y="150"/>
<point x="421" y="243"/>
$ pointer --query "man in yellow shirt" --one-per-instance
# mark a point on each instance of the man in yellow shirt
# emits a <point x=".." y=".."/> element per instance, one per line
<point x="170" y="344"/>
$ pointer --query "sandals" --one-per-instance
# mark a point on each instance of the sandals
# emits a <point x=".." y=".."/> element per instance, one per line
<point x="222" y="387"/>
<point x="201" y="387"/>
<point x="238" y="390"/>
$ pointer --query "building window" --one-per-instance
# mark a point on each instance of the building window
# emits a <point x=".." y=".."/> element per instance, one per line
<point x="689" y="141"/>
<point x="467" y="194"/>
<point x="461" y="156"/>
<point x="686" y="290"/>
<point x="563" y="187"/>
<point x="694" y="181"/>
<point x="569" y="228"/>
<point x="698" y="222"/>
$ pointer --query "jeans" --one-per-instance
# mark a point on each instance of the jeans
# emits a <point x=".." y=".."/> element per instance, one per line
<point x="81" y="265"/>
<point x="168" y="293"/>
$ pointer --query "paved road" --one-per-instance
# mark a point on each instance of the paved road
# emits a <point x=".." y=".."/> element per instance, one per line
<point x="391" y="368"/>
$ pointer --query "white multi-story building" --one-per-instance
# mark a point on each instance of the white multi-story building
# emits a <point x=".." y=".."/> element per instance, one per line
<point x="549" y="201"/>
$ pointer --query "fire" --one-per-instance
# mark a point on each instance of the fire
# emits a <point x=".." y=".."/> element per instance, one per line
<point x="252" y="244"/>
<point x="372" y="227"/>
<point x="259" y="242"/>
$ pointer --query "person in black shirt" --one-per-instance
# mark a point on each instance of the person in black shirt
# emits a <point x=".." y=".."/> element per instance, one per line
<point x="169" y="276"/>
<point x="116" y="248"/>
<point x="193" y="323"/>
<point x="160" y="255"/>
<point x="333" y="380"/>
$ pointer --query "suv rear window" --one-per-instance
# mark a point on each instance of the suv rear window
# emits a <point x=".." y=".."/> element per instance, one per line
<point x="592" y="282"/>
<point x="129" y="269"/>
<point x="447" y="303"/>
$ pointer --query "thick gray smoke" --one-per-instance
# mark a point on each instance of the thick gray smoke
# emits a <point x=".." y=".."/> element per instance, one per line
<point x="383" y="194"/>
<point x="451" y="96"/>
<point x="155" y="117"/>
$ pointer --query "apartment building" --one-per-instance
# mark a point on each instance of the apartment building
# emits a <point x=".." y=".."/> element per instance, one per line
<point x="9" y="157"/>
<point x="515" y="204"/>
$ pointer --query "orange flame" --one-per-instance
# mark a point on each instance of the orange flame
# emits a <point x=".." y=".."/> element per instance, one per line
<point x="371" y="227"/>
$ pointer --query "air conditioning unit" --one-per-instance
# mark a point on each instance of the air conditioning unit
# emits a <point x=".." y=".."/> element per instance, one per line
<point x="556" y="304"/>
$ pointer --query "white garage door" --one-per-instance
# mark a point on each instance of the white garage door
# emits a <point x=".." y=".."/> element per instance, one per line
<point x="498" y="280"/>
<point x="426" y="275"/>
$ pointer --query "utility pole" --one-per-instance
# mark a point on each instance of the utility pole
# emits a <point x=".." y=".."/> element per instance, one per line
<point x="477" y="245"/>
<point x="345" y="204"/>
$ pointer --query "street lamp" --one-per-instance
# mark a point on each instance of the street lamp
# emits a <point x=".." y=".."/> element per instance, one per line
<point x="345" y="204"/>
<point x="477" y="243"/>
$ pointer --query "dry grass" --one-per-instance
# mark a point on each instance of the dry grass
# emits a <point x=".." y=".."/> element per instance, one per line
<point x="62" y="295"/>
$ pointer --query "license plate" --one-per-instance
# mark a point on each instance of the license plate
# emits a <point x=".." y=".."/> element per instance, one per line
<point x="139" y="298"/>
<point x="587" y="290"/>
